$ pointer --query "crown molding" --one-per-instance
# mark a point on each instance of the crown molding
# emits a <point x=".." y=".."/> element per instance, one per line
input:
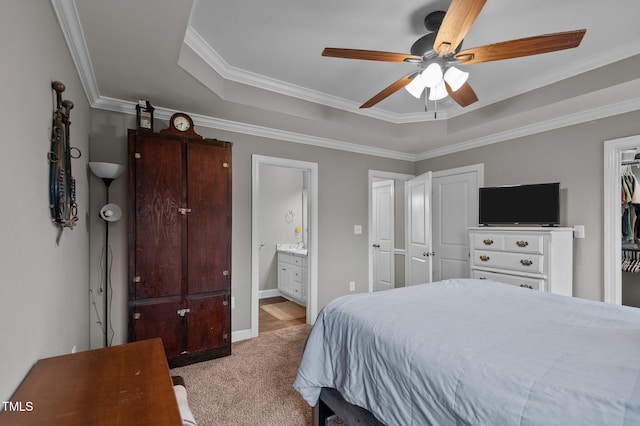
<point x="622" y="107"/>
<point x="535" y="128"/>
<point x="69" y="20"/>
<point x="208" y="54"/>
<point x="127" y="107"/>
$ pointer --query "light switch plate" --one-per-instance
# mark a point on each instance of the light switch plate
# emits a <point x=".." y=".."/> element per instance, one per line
<point x="578" y="231"/>
<point x="357" y="229"/>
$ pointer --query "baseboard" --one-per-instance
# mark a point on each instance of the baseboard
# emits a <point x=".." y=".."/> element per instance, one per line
<point x="263" y="294"/>
<point x="239" y="335"/>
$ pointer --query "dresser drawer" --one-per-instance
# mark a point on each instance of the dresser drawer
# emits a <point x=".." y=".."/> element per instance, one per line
<point x="534" y="257"/>
<point x="525" y="262"/>
<point x="488" y="241"/>
<point x="531" y="283"/>
<point x="524" y="243"/>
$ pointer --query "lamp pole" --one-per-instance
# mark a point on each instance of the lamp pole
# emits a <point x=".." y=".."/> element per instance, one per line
<point x="107" y="183"/>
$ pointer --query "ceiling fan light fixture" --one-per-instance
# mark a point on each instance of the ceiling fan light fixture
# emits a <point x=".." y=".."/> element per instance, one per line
<point x="438" y="92"/>
<point x="416" y="86"/>
<point x="455" y="78"/>
<point x="432" y="75"/>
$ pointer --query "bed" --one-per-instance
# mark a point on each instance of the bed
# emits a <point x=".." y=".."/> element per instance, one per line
<point x="476" y="352"/>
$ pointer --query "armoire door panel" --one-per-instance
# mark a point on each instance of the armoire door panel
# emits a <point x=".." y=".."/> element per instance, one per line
<point x="208" y="322"/>
<point x="209" y="222"/>
<point x="159" y="318"/>
<point x="158" y="223"/>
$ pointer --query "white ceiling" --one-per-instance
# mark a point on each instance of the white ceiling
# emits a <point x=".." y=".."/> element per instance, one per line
<point x="219" y="58"/>
<point x="283" y="39"/>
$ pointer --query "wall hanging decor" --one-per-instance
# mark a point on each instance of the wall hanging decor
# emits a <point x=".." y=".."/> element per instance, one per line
<point x="62" y="185"/>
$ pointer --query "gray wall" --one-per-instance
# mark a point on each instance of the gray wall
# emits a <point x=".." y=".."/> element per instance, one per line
<point x="572" y="156"/>
<point x="280" y="191"/>
<point x="43" y="286"/>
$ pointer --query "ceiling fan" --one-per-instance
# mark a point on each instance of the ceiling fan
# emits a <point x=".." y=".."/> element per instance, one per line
<point x="437" y="52"/>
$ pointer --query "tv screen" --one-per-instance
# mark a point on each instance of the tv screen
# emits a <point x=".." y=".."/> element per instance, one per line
<point x="537" y="204"/>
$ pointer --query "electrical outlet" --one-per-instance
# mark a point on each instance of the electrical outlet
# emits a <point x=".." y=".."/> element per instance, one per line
<point x="73" y="350"/>
<point x="352" y="286"/>
<point x="233" y="302"/>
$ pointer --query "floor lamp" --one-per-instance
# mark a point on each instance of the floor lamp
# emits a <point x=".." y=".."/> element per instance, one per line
<point x="108" y="172"/>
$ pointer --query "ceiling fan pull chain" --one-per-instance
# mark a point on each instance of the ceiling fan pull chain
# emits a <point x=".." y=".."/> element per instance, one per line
<point x="425" y="98"/>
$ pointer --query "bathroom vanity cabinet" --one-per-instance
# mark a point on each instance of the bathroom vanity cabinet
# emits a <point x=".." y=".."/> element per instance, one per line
<point x="293" y="276"/>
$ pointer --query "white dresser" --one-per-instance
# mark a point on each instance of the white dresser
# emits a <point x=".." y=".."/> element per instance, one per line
<point x="293" y="276"/>
<point x="539" y="258"/>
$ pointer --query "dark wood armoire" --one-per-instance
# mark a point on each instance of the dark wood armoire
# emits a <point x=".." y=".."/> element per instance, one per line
<point x="180" y="242"/>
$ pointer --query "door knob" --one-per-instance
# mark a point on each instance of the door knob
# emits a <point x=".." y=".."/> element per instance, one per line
<point x="376" y="246"/>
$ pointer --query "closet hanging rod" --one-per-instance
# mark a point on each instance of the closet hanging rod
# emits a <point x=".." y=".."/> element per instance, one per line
<point x="631" y="163"/>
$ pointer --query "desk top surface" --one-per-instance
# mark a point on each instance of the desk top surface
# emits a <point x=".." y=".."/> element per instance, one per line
<point x="119" y="385"/>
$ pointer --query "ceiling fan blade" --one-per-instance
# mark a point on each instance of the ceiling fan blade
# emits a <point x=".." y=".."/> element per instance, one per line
<point x="455" y="25"/>
<point x="370" y="55"/>
<point x="464" y="96"/>
<point x="521" y="47"/>
<point x="390" y="90"/>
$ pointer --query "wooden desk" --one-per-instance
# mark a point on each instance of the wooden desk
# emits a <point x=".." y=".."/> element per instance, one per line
<point x="121" y="385"/>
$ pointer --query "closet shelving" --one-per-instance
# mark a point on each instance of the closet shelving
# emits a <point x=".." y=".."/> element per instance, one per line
<point x="631" y="215"/>
<point x="631" y="258"/>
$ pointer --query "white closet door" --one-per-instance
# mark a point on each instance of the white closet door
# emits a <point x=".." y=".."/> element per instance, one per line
<point x="455" y="209"/>
<point x="383" y="235"/>
<point x="418" y="257"/>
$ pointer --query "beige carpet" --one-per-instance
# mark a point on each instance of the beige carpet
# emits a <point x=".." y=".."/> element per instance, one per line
<point x="285" y="311"/>
<point x="252" y="386"/>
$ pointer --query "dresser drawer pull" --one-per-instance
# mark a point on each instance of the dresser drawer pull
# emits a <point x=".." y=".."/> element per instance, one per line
<point x="522" y="243"/>
<point x="527" y="286"/>
<point x="484" y="258"/>
<point x="482" y="278"/>
<point x="526" y="262"/>
<point x="487" y="242"/>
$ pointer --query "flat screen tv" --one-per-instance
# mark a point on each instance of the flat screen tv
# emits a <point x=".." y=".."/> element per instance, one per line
<point x="537" y="204"/>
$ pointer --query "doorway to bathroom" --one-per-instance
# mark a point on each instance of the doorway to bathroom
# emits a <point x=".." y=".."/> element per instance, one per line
<point x="284" y="239"/>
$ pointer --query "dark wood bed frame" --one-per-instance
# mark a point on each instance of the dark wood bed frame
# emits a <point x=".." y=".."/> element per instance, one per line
<point x="331" y="402"/>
